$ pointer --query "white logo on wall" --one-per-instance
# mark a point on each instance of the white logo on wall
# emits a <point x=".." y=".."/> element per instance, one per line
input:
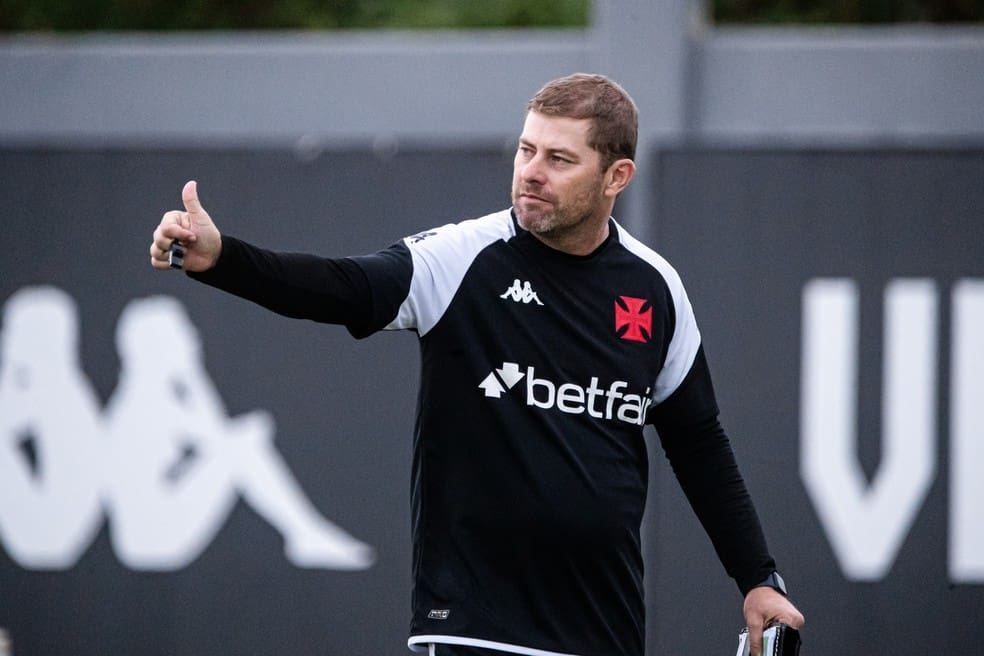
<point x="867" y="523"/>
<point x="164" y="462"/>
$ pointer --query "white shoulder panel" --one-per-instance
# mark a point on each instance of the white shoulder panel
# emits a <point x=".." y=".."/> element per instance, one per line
<point x="686" y="336"/>
<point x="441" y="258"/>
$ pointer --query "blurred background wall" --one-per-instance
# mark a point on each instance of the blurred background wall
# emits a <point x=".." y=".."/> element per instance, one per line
<point x="184" y="473"/>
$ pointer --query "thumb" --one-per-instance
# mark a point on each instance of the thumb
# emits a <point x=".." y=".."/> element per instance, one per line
<point x="190" y="197"/>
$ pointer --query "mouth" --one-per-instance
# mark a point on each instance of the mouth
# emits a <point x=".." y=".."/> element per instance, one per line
<point x="533" y="197"/>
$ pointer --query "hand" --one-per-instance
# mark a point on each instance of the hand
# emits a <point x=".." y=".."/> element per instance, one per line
<point x="764" y="607"/>
<point x="193" y="229"/>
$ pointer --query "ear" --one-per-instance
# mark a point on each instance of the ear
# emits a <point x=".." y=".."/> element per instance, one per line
<point x="618" y="176"/>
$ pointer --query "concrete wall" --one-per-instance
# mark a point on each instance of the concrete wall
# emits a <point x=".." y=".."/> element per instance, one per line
<point x="691" y="79"/>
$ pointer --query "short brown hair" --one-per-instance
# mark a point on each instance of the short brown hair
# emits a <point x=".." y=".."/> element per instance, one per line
<point x="615" y="120"/>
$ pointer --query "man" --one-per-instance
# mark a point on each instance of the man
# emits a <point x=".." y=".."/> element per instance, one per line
<point x="549" y="337"/>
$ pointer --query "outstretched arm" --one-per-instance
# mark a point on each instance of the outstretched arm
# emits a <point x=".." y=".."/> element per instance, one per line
<point x="297" y="285"/>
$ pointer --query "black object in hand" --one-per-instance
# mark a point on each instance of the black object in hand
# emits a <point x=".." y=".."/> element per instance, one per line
<point x="175" y="256"/>
<point x="777" y="640"/>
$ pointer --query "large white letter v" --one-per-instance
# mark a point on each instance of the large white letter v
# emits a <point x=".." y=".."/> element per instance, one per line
<point x="867" y="523"/>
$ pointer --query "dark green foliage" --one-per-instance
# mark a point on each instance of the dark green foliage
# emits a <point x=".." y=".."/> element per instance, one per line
<point x="83" y="15"/>
<point x="848" y="11"/>
<point x="79" y="15"/>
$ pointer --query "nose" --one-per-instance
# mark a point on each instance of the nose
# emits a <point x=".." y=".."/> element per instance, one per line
<point x="532" y="170"/>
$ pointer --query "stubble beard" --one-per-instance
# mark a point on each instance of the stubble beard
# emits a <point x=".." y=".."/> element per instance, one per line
<point x="557" y="221"/>
<point x="539" y="223"/>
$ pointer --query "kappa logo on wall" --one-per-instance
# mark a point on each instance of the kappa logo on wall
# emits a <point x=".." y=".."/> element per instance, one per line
<point x="163" y="461"/>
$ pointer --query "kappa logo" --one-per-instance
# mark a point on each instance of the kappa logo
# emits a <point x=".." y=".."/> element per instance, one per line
<point x="522" y="293"/>
<point x="636" y="322"/>
<point x="598" y="402"/>
<point x="421" y="236"/>
<point x="71" y="464"/>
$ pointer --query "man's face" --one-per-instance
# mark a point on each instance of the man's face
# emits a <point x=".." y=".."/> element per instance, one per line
<point x="557" y="178"/>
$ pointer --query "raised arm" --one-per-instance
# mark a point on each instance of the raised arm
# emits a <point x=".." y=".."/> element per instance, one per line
<point x="297" y="285"/>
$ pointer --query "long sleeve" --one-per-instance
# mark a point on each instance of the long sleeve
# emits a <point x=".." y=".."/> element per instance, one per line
<point x="303" y="286"/>
<point x="702" y="459"/>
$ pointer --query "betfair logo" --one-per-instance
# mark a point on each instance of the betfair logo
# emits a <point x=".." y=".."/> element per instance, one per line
<point x="598" y="402"/>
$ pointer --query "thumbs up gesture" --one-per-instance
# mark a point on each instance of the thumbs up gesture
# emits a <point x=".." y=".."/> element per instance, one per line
<point x="192" y="229"/>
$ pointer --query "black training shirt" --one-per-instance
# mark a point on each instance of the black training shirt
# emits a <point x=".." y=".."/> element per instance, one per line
<point x="539" y="370"/>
